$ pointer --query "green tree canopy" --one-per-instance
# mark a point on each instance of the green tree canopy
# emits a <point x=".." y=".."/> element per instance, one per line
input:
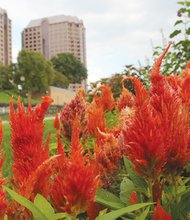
<point x="35" y="69"/>
<point x="59" y="80"/>
<point x="6" y="77"/>
<point x="70" y="66"/>
<point x="177" y="57"/>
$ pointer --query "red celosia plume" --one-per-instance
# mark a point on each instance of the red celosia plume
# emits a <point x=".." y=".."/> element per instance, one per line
<point x="103" y="98"/>
<point x="31" y="172"/>
<point x="160" y="214"/>
<point x="77" y="106"/>
<point x="108" y="156"/>
<point x="157" y="139"/>
<point x="96" y="120"/>
<point x="75" y="186"/>
<point x="126" y="98"/>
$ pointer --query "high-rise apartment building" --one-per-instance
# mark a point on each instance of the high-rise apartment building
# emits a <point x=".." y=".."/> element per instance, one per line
<point x="53" y="35"/>
<point x="5" y="38"/>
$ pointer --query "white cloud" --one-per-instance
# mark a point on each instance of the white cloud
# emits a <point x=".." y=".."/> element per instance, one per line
<point x="118" y="31"/>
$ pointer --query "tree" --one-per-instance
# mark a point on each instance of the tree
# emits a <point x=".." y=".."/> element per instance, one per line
<point x="6" y="77"/>
<point x="176" y="59"/>
<point x="70" y="66"/>
<point x="35" y="71"/>
<point x="59" y="80"/>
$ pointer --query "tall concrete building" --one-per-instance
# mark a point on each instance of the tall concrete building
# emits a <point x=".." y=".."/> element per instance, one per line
<point x="5" y="38"/>
<point x="53" y="35"/>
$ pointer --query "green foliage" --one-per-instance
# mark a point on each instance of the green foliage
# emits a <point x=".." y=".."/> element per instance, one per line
<point x="108" y="199"/>
<point x="112" y="118"/>
<point x="126" y="189"/>
<point x="142" y="73"/>
<point x="59" y="80"/>
<point x="177" y="57"/>
<point x="123" y="211"/>
<point x="6" y="77"/>
<point x="70" y="66"/>
<point x="41" y="208"/>
<point x="114" y="82"/>
<point x="139" y="183"/>
<point x="35" y="69"/>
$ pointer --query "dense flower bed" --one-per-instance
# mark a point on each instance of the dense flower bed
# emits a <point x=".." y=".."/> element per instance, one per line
<point x="142" y="160"/>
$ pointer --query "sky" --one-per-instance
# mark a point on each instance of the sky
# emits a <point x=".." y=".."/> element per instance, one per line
<point x="118" y="32"/>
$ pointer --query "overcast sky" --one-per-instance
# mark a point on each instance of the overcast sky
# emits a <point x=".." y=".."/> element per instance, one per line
<point x="118" y="32"/>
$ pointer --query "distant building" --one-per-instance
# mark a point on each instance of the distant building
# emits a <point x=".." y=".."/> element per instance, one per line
<point x="5" y="38"/>
<point x="53" y="35"/>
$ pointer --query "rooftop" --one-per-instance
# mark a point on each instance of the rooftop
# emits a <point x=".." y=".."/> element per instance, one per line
<point x="2" y="11"/>
<point x="54" y="20"/>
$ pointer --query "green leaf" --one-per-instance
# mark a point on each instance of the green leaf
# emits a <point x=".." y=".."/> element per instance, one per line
<point x="38" y="215"/>
<point x="175" y="33"/>
<point x="108" y="199"/>
<point x="102" y="212"/>
<point x="188" y="31"/>
<point x="178" y="22"/>
<point x="181" y="210"/>
<point x="118" y="213"/>
<point x="43" y="205"/>
<point x="62" y="215"/>
<point x="139" y="183"/>
<point x="183" y="10"/>
<point x="181" y="3"/>
<point x="126" y="189"/>
<point x="143" y="215"/>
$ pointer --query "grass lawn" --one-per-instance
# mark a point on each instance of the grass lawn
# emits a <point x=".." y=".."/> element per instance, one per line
<point x="5" y="97"/>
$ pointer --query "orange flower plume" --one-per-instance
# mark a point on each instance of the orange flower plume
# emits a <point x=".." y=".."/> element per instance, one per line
<point x="3" y="199"/>
<point x="103" y="98"/>
<point x="75" y="186"/>
<point x="157" y="138"/>
<point x="160" y="214"/>
<point x="126" y="98"/>
<point x="31" y="172"/>
<point x="96" y="121"/>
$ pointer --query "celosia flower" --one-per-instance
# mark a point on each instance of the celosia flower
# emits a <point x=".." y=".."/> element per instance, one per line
<point x="133" y="198"/>
<point x="160" y="214"/>
<point x="56" y="122"/>
<point x="108" y="156"/>
<point x="158" y="138"/>
<point x="75" y="186"/>
<point x="31" y="171"/>
<point x="126" y="98"/>
<point x="96" y="121"/>
<point x="77" y="106"/>
<point x="103" y="98"/>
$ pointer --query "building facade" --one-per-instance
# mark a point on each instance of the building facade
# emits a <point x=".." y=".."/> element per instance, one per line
<point x="53" y="35"/>
<point x="5" y="38"/>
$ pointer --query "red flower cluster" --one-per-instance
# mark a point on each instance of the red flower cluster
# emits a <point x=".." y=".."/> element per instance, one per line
<point x="108" y="156"/>
<point x="31" y="163"/>
<point x="126" y="99"/>
<point x="77" y="106"/>
<point x="160" y="214"/>
<point x="103" y="98"/>
<point x="157" y="139"/>
<point x="76" y="182"/>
